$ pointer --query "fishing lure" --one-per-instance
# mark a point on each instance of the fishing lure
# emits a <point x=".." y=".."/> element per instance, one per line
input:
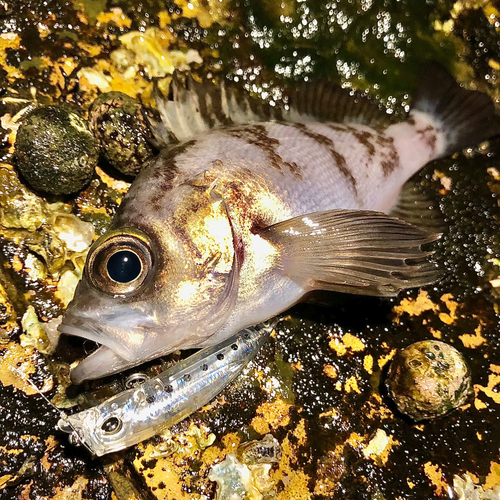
<point x="139" y="413"/>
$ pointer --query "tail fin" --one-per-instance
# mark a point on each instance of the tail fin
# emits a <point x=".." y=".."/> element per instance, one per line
<point x="467" y="117"/>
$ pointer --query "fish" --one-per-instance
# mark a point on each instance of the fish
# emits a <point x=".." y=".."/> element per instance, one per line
<point x="157" y="403"/>
<point x="249" y="207"/>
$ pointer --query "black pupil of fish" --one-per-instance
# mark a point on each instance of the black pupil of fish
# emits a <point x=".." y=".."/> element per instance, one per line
<point x="124" y="266"/>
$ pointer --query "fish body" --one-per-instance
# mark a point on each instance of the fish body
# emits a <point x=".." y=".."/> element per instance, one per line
<point x="234" y="225"/>
<point x="139" y="413"/>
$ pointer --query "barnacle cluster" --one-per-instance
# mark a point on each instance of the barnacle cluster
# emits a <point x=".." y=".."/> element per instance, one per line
<point x="245" y="475"/>
<point x="121" y="129"/>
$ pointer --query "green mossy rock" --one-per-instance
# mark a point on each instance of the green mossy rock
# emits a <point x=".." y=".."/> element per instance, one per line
<point x="56" y="153"/>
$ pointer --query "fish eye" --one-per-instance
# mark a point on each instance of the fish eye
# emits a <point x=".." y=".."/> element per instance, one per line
<point x="120" y="262"/>
<point x="124" y="266"/>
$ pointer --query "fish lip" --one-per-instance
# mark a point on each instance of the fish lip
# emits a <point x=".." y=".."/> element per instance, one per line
<point x="89" y="329"/>
<point x="101" y="363"/>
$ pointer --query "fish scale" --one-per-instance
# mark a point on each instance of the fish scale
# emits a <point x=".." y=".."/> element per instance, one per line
<point x="342" y="174"/>
<point x="254" y="207"/>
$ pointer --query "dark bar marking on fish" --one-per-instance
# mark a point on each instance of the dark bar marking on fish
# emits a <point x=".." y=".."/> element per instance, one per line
<point x="330" y="146"/>
<point x="256" y="135"/>
<point x="165" y="171"/>
<point x="390" y="160"/>
<point x="364" y="137"/>
<point x="217" y="110"/>
<point x="428" y="136"/>
<point x="337" y="127"/>
<point x="206" y="109"/>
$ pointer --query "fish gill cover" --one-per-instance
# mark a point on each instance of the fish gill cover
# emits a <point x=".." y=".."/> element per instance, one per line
<point x="317" y="386"/>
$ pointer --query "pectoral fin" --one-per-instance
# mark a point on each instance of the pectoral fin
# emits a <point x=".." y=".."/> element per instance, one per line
<point x="361" y="252"/>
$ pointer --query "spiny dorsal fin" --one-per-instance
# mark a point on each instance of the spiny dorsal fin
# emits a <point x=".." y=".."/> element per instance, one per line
<point x="353" y="251"/>
<point x="193" y="108"/>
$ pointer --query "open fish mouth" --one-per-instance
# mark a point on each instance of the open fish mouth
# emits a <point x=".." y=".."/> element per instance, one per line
<point x="100" y="363"/>
<point x="106" y="360"/>
<point x="104" y="334"/>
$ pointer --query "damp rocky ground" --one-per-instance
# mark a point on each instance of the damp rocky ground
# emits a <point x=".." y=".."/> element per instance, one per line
<point x="317" y="387"/>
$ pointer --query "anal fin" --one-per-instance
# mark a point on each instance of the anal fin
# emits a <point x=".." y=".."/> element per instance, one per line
<point x="353" y="251"/>
<point x="416" y="208"/>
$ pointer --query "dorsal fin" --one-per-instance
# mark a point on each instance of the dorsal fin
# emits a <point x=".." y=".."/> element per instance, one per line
<point x="326" y="102"/>
<point x="192" y="108"/>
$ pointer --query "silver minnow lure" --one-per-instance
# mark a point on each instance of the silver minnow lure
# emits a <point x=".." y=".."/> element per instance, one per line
<point x="138" y="414"/>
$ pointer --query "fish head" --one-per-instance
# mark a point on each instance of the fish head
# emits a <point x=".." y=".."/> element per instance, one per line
<point x="152" y="285"/>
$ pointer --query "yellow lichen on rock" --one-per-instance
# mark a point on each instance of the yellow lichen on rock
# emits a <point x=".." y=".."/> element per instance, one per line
<point x="168" y="474"/>
<point x="206" y="12"/>
<point x="493" y="478"/>
<point x="452" y="316"/>
<point x="368" y="364"/>
<point x="74" y="491"/>
<point x="415" y="307"/>
<point x="435" y="475"/>
<point x="294" y="479"/>
<point x="115" y="16"/>
<point x="8" y="318"/>
<point x="351" y="385"/>
<point x="330" y="371"/>
<point x="375" y="409"/>
<point x="489" y="390"/>
<point x="348" y="342"/>
<point x="9" y="41"/>
<point x="472" y="341"/>
<point x="379" y="447"/>
<point x="385" y="358"/>
<point x="271" y="415"/>
<point x="16" y="365"/>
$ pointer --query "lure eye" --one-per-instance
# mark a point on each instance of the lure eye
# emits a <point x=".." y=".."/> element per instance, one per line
<point x="120" y="263"/>
<point x="111" y="425"/>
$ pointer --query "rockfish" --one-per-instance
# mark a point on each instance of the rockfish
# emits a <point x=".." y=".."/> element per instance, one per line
<point x="248" y="207"/>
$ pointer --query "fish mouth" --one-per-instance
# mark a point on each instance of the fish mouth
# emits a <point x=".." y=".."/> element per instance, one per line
<point x="104" y="361"/>
<point x="101" y="363"/>
<point x="104" y="334"/>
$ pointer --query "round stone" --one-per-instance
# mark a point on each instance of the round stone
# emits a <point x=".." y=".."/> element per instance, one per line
<point x="428" y="379"/>
<point x="55" y="151"/>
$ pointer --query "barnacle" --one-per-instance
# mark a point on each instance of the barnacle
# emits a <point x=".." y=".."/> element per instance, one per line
<point x="245" y="475"/>
<point x="42" y="336"/>
<point x="119" y="125"/>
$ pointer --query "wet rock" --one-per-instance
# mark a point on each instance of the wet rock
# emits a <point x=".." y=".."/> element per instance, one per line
<point x="55" y="151"/>
<point x="428" y="379"/>
<point x="120" y="127"/>
<point x="246" y="474"/>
